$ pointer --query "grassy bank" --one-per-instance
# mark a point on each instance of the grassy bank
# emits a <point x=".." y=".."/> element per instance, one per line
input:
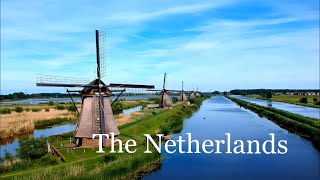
<point x="42" y="124"/>
<point x="306" y="127"/>
<point x="87" y="164"/>
<point x="292" y="99"/>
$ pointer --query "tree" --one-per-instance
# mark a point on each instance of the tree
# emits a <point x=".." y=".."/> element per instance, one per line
<point x="72" y="108"/>
<point x="117" y="106"/>
<point x="315" y="99"/>
<point x="175" y="99"/>
<point x="225" y="93"/>
<point x="8" y="157"/>
<point x="18" y="109"/>
<point x="50" y="103"/>
<point x="269" y="94"/>
<point x="32" y="148"/>
<point x="304" y="100"/>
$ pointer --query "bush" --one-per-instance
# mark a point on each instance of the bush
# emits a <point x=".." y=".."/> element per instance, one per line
<point x="35" y="109"/>
<point x="5" y="111"/>
<point x="60" y="107"/>
<point x="304" y="100"/>
<point x="109" y="158"/>
<point x="155" y="100"/>
<point x="18" y="109"/>
<point x="28" y="109"/>
<point x="175" y="99"/>
<point x="315" y="99"/>
<point x="164" y="129"/>
<point x="117" y="106"/>
<point x="50" y="103"/>
<point x="48" y="160"/>
<point x="32" y="148"/>
<point x="269" y="95"/>
<point x="47" y="109"/>
<point x="143" y="106"/>
<point x="72" y="108"/>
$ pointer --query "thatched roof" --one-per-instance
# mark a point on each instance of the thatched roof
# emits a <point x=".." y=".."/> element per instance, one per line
<point x="89" y="122"/>
<point x="192" y="95"/>
<point x="165" y="99"/>
<point x="183" y="96"/>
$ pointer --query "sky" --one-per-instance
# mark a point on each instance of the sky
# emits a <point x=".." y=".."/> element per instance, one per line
<point x="215" y="45"/>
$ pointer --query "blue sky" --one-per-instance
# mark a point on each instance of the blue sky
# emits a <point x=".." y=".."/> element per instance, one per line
<point x="217" y="45"/>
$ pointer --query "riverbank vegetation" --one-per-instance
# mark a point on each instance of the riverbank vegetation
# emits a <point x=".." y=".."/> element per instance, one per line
<point x="306" y="127"/>
<point x="309" y="101"/>
<point x="19" y="123"/>
<point x="86" y="163"/>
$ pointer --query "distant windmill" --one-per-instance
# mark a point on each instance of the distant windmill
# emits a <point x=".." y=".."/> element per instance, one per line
<point x="165" y="99"/>
<point x="96" y="114"/>
<point x="197" y="92"/>
<point x="192" y="94"/>
<point x="183" y="96"/>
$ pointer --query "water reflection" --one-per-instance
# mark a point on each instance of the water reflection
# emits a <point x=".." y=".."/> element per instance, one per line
<point x="218" y="116"/>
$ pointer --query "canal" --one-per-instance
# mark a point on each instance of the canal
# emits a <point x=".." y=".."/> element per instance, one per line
<point x="302" y="110"/>
<point x="218" y="116"/>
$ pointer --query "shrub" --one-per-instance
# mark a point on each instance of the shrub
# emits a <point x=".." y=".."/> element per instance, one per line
<point x="304" y="100"/>
<point x="164" y="129"/>
<point x="109" y="158"/>
<point x="60" y="107"/>
<point x="315" y="99"/>
<point x="27" y="109"/>
<point x="155" y="100"/>
<point x="269" y="94"/>
<point x="35" y="109"/>
<point x="32" y="148"/>
<point x="143" y="106"/>
<point x="72" y="108"/>
<point x="117" y="106"/>
<point x="5" y="111"/>
<point x="47" y="109"/>
<point x="48" y="160"/>
<point x="50" y="103"/>
<point x="18" y="109"/>
<point x="175" y="99"/>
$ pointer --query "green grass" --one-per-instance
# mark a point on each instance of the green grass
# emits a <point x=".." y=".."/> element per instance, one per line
<point x="42" y="124"/>
<point x="292" y="99"/>
<point x="86" y="163"/>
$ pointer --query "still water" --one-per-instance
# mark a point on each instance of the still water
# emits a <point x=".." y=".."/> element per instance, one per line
<point x="37" y="133"/>
<point x="218" y="116"/>
<point x="302" y="110"/>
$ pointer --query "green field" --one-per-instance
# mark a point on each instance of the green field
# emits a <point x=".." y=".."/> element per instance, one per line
<point x="292" y="99"/>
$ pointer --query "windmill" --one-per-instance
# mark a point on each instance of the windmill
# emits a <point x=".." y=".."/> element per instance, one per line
<point x="192" y="94"/>
<point x="165" y="99"/>
<point x="197" y="92"/>
<point x="183" y="96"/>
<point x="96" y="116"/>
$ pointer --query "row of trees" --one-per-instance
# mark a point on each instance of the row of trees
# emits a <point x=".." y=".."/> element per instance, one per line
<point x="264" y="91"/>
<point x="21" y="95"/>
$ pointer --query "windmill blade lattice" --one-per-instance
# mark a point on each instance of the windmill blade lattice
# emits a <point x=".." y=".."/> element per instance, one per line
<point x="49" y="79"/>
<point x="102" y="53"/>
